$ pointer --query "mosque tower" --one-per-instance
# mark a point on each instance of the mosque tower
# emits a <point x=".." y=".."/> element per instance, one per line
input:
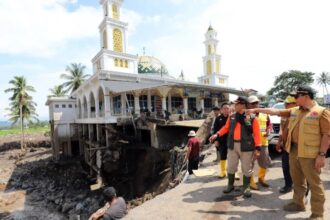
<point x="212" y="61"/>
<point x="112" y="55"/>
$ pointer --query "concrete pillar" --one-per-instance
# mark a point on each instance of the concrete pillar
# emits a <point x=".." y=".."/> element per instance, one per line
<point x="169" y="103"/>
<point x="216" y="103"/>
<point x="149" y="100"/>
<point x="202" y="105"/>
<point x="136" y="104"/>
<point x="107" y="135"/>
<point x="185" y="105"/>
<point x="163" y="105"/>
<point x="123" y="103"/>
<point x="68" y="127"/>
<point x="107" y="108"/>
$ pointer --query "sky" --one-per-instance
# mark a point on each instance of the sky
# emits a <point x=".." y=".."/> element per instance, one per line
<point x="258" y="39"/>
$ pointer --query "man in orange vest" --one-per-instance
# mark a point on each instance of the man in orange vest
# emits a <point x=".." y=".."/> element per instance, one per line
<point x="307" y="143"/>
<point x="243" y="143"/>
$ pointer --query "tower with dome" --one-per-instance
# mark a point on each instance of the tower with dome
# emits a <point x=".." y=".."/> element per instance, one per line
<point x="130" y="91"/>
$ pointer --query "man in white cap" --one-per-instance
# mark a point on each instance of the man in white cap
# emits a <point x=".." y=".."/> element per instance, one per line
<point x="264" y="160"/>
<point x="193" y="152"/>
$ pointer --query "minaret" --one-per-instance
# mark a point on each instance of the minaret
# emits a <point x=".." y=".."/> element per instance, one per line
<point x="112" y="55"/>
<point x="212" y="61"/>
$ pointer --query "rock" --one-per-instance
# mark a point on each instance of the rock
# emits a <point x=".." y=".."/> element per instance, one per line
<point x="67" y="207"/>
<point x="58" y="201"/>
<point x="79" y="206"/>
<point x="25" y="185"/>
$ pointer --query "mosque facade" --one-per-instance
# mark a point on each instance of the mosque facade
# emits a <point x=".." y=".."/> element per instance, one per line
<point x="125" y="87"/>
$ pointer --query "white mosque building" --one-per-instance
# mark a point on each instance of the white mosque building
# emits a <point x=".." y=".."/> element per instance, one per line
<point x="125" y="87"/>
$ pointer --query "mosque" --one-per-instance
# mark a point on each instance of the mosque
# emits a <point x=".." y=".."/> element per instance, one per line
<point x="125" y="88"/>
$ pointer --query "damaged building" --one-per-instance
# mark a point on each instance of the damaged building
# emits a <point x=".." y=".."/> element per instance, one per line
<point x="133" y="96"/>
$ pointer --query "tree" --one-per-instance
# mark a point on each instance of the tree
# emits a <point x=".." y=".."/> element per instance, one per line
<point x="324" y="80"/>
<point x="75" y="76"/>
<point x="21" y="105"/>
<point x="57" y="91"/>
<point x="289" y="81"/>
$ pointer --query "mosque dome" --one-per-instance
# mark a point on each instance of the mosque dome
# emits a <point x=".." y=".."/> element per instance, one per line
<point x="151" y="65"/>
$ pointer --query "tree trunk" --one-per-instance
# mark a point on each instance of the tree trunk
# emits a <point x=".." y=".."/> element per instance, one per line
<point x="22" y="126"/>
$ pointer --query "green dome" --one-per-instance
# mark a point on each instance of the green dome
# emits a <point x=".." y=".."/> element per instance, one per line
<point x="151" y="65"/>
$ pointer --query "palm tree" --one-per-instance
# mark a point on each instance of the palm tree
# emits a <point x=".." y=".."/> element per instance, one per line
<point x="21" y="105"/>
<point x="324" y="80"/>
<point x="57" y="91"/>
<point x="75" y="76"/>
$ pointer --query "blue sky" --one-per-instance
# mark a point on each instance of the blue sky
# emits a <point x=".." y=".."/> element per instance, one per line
<point x="258" y="39"/>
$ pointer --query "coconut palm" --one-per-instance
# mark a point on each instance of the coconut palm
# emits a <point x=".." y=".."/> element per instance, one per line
<point x="21" y="105"/>
<point x="324" y="80"/>
<point x="75" y="76"/>
<point x="57" y="91"/>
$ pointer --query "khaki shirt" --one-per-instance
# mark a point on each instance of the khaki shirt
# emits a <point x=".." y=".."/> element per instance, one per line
<point x="324" y="122"/>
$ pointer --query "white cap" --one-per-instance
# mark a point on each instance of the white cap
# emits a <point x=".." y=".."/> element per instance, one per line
<point x="253" y="99"/>
<point x="192" y="133"/>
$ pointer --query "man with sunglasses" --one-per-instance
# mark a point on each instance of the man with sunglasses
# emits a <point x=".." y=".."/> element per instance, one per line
<point x="307" y="143"/>
<point x="264" y="160"/>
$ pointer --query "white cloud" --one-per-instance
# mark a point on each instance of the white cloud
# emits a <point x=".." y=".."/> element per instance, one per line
<point x="40" y="27"/>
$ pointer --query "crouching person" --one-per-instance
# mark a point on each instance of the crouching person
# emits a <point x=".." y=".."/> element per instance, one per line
<point x="244" y="142"/>
<point x="115" y="208"/>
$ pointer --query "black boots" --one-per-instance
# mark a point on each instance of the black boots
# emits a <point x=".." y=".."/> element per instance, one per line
<point x="246" y="187"/>
<point x="230" y="186"/>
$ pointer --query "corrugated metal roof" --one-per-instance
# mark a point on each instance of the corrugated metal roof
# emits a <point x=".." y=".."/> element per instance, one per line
<point x="124" y="86"/>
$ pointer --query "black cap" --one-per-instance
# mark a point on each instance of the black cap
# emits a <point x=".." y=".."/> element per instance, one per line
<point x="109" y="193"/>
<point x="305" y="90"/>
<point x="216" y="108"/>
<point x="241" y="100"/>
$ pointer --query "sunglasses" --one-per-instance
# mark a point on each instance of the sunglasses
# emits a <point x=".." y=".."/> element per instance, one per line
<point x="254" y="103"/>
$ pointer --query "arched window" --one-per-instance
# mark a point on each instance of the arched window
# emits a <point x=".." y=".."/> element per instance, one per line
<point x="209" y="67"/>
<point x="116" y="62"/>
<point x="105" y="45"/>
<point x="209" y="48"/>
<point x="121" y="63"/>
<point x="117" y="40"/>
<point x="115" y="13"/>
<point x="126" y="63"/>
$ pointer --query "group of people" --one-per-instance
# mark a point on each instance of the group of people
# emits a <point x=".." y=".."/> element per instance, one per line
<point x="304" y="140"/>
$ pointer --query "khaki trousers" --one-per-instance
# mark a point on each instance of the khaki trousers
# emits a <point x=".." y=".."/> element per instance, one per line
<point x="303" y="169"/>
<point x="234" y="155"/>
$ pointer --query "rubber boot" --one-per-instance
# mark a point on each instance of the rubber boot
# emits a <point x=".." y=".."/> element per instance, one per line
<point x="218" y="156"/>
<point x="230" y="186"/>
<point x="246" y="186"/>
<point x="253" y="184"/>
<point x="223" y="167"/>
<point x="261" y="179"/>
<point x="237" y="176"/>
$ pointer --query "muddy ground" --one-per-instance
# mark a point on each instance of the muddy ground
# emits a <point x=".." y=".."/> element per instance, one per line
<point x="33" y="186"/>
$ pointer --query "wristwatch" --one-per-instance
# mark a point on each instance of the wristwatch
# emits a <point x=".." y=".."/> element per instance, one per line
<point x="322" y="154"/>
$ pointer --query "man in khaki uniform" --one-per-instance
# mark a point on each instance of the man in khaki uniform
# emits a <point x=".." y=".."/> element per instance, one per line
<point x="307" y="144"/>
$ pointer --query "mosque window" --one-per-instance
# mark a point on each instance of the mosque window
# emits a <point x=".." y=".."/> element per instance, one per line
<point x="130" y="103"/>
<point x="206" y="81"/>
<point x="70" y="106"/>
<point x="121" y="63"/>
<point x="57" y="106"/>
<point x="63" y="106"/>
<point x="176" y="102"/>
<point x="116" y="62"/>
<point x="117" y="40"/>
<point x="104" y="45"/>
<point x="115" y="13"/>
<point x="209" y="67"/>
<point x="117" y="104"/>
<point x="207" y="104"/>
<point x="221" y="81"/>
<point x="143" y="102"/>
<point x="218" y="66"/>
<point x="126" y="63"/>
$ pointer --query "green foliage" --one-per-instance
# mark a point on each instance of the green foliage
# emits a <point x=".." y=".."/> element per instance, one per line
<point x="21" y="99"/>
<point x="324" y="80"/>
<point x="29" y="130"/>
<point x="289" y="81"/>
<point x="75" y="76"/>
<point x="57" y="91"/>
